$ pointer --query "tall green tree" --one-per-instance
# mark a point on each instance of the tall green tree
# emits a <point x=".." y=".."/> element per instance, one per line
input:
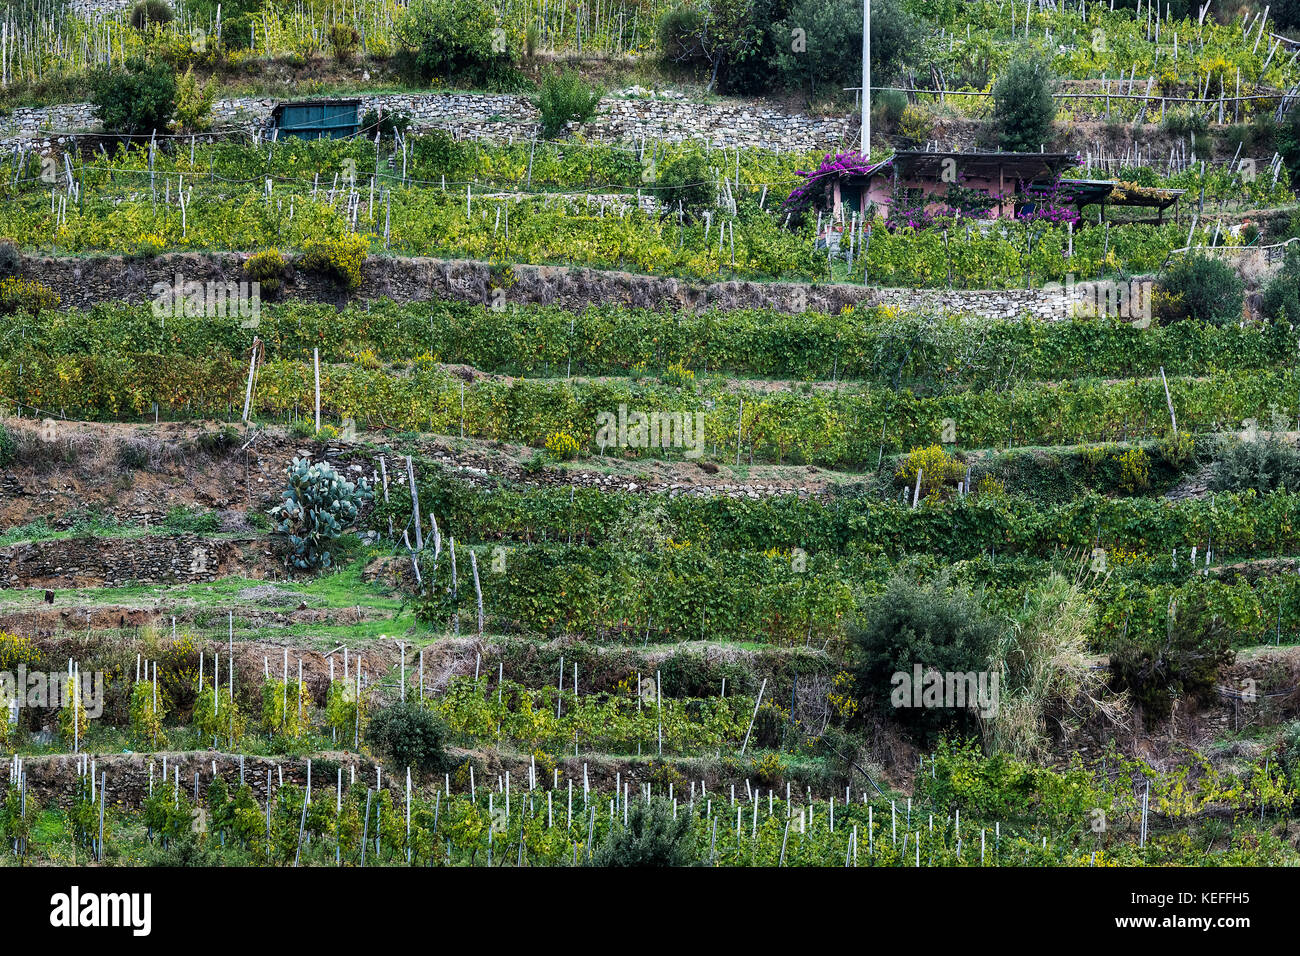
<point x="460" y="40"/>
<point x="928" y="624"/>
<point x="1023" y="108"/>
<point x="819" y="44"/>
<point x="136" y="100"/>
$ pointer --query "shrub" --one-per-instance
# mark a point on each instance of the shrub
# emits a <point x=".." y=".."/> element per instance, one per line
<point x="732" y="39"/>
<point x="340" y="259"/>
<point x="268" y="269"/>
<point x="459" y="40"/>
<point x="1134" y="470"/>
<point x="151" y="12"/>
<point x="409" y="735"/>
<point x="832" y="54"/>
<point x="218" y="441"/>
<point x="7" y="446"/>
<point x="1287" y="14"/>
<point x="1184" y="122"/>
<point x="16" y="650"/>
<point x="25" y="295"/>
<point x="11" y="258"/>
<point x="916" y="123"/>
<point x="192" y="520"/>
<point x="687" y="179"/>
<point x="1177" y="450"/>
<point x="1022" y="103"/>
<point x="136" y="100"/>
<point x="1288" y="143"/>
<point x="938" y="470"/>
<point x="193" y="112"/>
<point x="319" y="506"/>
<point x="1288" y="751"/>
<point x="651" y="838"/>
<point x="1264" y="463"/>
<point x="992" y="487"/>
<point x="1281" y="298"/>
<point x="678" y="35"/>
<point x="187" y="849"/>
<point x="387" y="123"/>
<point x="302" y="428"/>
<point x="887" y="109"/>
<point x="566" y="98"/>
<point x="1199" y="287"/>
<point x="932" y="624"/>
<point x="895" y="34"/>
<point x="678" y="376"/>
<point x="149" y="246"/>
<point x="1184" y="663"/>
<point x="343" y="39"/>
<point x="561" y="445"/>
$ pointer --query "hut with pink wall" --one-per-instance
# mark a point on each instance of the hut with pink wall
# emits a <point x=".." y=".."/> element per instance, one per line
<point x="913" y="185"/>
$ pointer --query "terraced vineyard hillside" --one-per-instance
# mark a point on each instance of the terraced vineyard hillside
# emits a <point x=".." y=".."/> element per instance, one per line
<point x="405" y="499"/>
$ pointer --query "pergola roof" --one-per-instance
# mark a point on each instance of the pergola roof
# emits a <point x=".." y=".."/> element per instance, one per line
<point x="927" y="164"/>
<point x="1087" y="192"/>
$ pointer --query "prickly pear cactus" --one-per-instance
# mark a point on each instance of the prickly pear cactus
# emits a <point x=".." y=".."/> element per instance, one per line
<point x="319" y="506"/>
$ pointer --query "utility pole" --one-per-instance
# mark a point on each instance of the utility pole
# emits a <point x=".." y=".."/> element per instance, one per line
<point x="866" y="79"/>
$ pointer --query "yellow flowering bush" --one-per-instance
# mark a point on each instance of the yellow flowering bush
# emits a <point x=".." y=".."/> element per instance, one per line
<point x="678" y="376"/>
<point x="1134" y="470"/>
<point x="267" y="268"/>
<point x="15" y="650"/>
<point x="25" y="295"/>
<point x="936" y="467"/>
<point x="341" y="259"/>
<point x="561" y="445"/>
<point x="916" y="123"/>
<point x="842" y="697"/>
<point x="150" y="244"/>
<point x="991" y="487"/>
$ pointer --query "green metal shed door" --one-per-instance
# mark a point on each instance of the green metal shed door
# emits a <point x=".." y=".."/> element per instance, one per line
<point x="318" y="121"/>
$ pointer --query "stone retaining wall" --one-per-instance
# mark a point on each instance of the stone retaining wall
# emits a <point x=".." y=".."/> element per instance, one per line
<point x="119" y="561"/>
<point x="52" y="777"/>
<point x="503" y="117"/>
<point x="128" y="777"/>
<point x="85" y="282"/>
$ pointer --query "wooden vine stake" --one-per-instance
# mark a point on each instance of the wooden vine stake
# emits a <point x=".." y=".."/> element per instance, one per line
<point x="478" y="594"/>
<point x="757" y="703"/>
<point x="315" y="356"/>
<point x="415" y="504"/>
<point x="252" y="365"/>
<point x="1169" y="401"/>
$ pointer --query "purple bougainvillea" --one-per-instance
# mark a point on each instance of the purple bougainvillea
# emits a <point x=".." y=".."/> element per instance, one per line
<point x="1047" y="206"/>
<point x="817" y="184"/>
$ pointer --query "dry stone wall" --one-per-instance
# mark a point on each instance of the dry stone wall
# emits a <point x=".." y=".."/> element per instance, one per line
<point x="83" y="282"/>
<point x="119" y="561"/>
<point x="52" y="777"/>
<point x="503" y="117"/>
<point x="128" y="777"/>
